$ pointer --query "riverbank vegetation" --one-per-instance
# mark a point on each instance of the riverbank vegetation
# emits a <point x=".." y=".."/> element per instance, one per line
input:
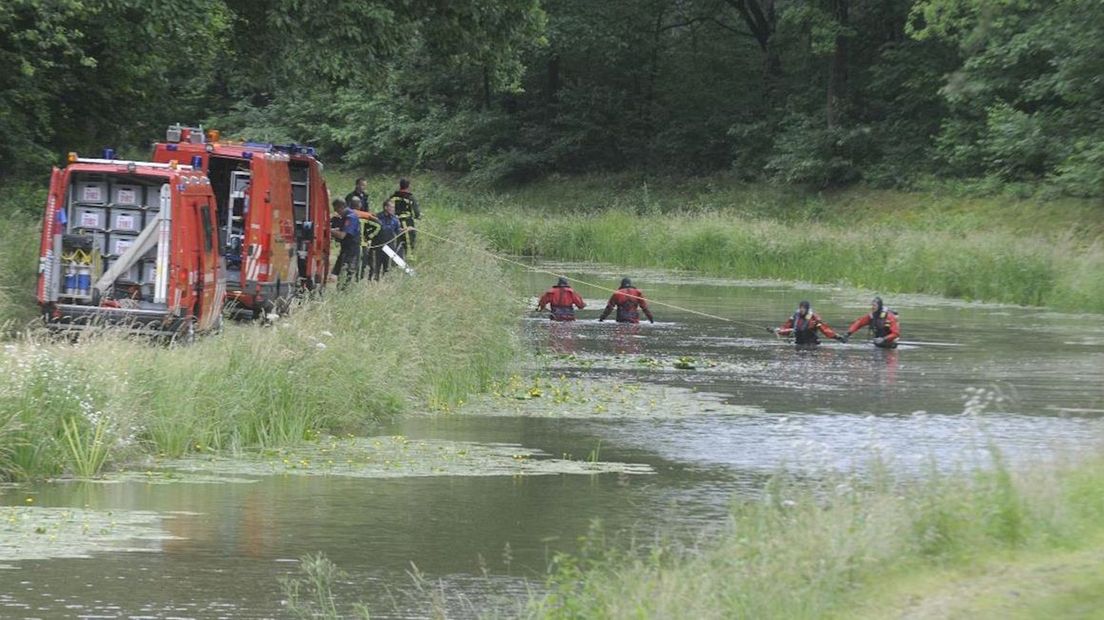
<point x="847" y="548"/>
<point x="334" y="365"/>
<point x="1032" y="251"/>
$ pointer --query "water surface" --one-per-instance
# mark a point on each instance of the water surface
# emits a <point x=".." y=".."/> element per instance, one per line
<point x="1028" y="381"/>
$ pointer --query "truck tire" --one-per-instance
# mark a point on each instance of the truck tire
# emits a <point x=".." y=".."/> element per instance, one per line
<point x="185" y="333"/>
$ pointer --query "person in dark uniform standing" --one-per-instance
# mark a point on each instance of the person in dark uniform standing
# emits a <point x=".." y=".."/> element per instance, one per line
<point x="348" y="235"/>
<point x="358" y="192"/>
<point x="388" y="235"/>
<point x="627" y="300"/>
<point x="407" y="210"/>
<point x="804" y="325"/>
<point x="369" y="225"/>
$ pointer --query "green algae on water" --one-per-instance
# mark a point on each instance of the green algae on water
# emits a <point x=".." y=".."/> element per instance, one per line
<point x="397" y="457"/>
<point x="589" y="398"/>
<point x="41" y="533"/>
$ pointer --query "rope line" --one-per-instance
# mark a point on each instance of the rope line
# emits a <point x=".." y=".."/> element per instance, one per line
<point x="591" y="284"/>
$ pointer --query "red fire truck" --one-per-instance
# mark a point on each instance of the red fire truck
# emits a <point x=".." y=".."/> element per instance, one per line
<point x="131" y="244"/>
<point x="272" y="207"/>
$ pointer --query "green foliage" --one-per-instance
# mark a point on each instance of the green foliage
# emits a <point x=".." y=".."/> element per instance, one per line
<point x="94" y="73"/>
<point x="808" y="238"/>
<point x="334" y="365"/>
<point x="825" y="549"/>
<point x="1024" y="102"/>
<point x="819" y="156"/>
<point x="823" y="93"/>
<point x="21" y="206"/>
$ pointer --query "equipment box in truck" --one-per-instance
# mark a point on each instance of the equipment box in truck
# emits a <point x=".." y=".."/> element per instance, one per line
<point x="130" y="245"/>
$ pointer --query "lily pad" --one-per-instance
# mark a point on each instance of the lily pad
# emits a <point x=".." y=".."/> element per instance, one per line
<point x="40" y="533"/>
<point x="591" y="398"/>
<point x="398" y="457"/>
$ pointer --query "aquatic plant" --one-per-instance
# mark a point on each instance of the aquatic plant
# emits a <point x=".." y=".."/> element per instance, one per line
<point x="310" y="595"/>
<point x="684" y="362"/>
<point x="87" y="446"/>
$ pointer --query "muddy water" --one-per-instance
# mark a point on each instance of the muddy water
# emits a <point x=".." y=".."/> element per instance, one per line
<point x="214" y="545"/>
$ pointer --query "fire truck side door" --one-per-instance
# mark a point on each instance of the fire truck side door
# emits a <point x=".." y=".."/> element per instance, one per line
<point x="53" y="228"/>
<point x="208" y="304"/>
<point x="237" y="211"/>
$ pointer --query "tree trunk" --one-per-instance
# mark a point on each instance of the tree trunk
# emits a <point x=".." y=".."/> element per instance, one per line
<point x="760" y="18"/>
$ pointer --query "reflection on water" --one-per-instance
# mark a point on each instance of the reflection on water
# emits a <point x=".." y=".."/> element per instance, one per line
<point x="923" y="405"/>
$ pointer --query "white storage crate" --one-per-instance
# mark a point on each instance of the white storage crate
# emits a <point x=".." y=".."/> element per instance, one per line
<point x="90" y="192"/>
<point x="149" y="271"/>
<point x="153" y="197"/>
<point x="126" y="195"/>
<point x="126" y="220"/>
<point x="118" y="243"/>
<point x="89" y="218"/>
<point x="130" y="275"/>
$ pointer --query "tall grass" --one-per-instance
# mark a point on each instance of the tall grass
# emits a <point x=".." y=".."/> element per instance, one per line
<point x="942" y="242"/>
<point x="989" y="266"/>
<point x="819" y="550"/>
<point x="333" y="365"/>
<point x="21" y="209"/>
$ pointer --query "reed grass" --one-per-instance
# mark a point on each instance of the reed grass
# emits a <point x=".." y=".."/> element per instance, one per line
<point x="986" y="266"/>
<point x="816" y="550"/>
<point x="334" y="365"/>
<point x="939" y="241"/>
<point x="19" y="243"/>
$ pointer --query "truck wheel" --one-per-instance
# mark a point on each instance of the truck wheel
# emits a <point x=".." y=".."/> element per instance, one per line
<point x="283" y="305"/>
<point x="185" y="333"/>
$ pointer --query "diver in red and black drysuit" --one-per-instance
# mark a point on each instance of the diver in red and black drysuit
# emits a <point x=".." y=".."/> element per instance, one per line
<point x="563" y="300"/>
<point x="883" y="325"/>
<point x="627" y="300"/>
<point x="804" y="325"/>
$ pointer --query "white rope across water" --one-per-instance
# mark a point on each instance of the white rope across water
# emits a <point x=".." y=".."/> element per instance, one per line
<point x="591" y="284"/>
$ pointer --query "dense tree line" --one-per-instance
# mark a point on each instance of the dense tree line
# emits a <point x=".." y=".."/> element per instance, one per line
<point x="822" y="92"/>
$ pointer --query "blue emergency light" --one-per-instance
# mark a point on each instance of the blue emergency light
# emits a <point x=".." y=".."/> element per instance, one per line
<point x="247" y="155"/>
<point x="197" y="161"/>
<point x="108" y="153"/>
<point x="171" y="147"/>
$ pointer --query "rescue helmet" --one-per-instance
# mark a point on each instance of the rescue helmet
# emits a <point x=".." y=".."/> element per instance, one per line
<point x="562" y="281"/>
<point x="626" y="283"/>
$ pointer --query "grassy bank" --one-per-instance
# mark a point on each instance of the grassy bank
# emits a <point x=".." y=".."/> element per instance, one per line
<point x="334" y="365"/>
<point x="996" y="248"/>
<point x="21" y="209"/>
<point x="845" y="549"/>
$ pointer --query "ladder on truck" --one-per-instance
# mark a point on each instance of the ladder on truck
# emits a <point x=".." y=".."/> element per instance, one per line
<point x="300" y="206"/>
